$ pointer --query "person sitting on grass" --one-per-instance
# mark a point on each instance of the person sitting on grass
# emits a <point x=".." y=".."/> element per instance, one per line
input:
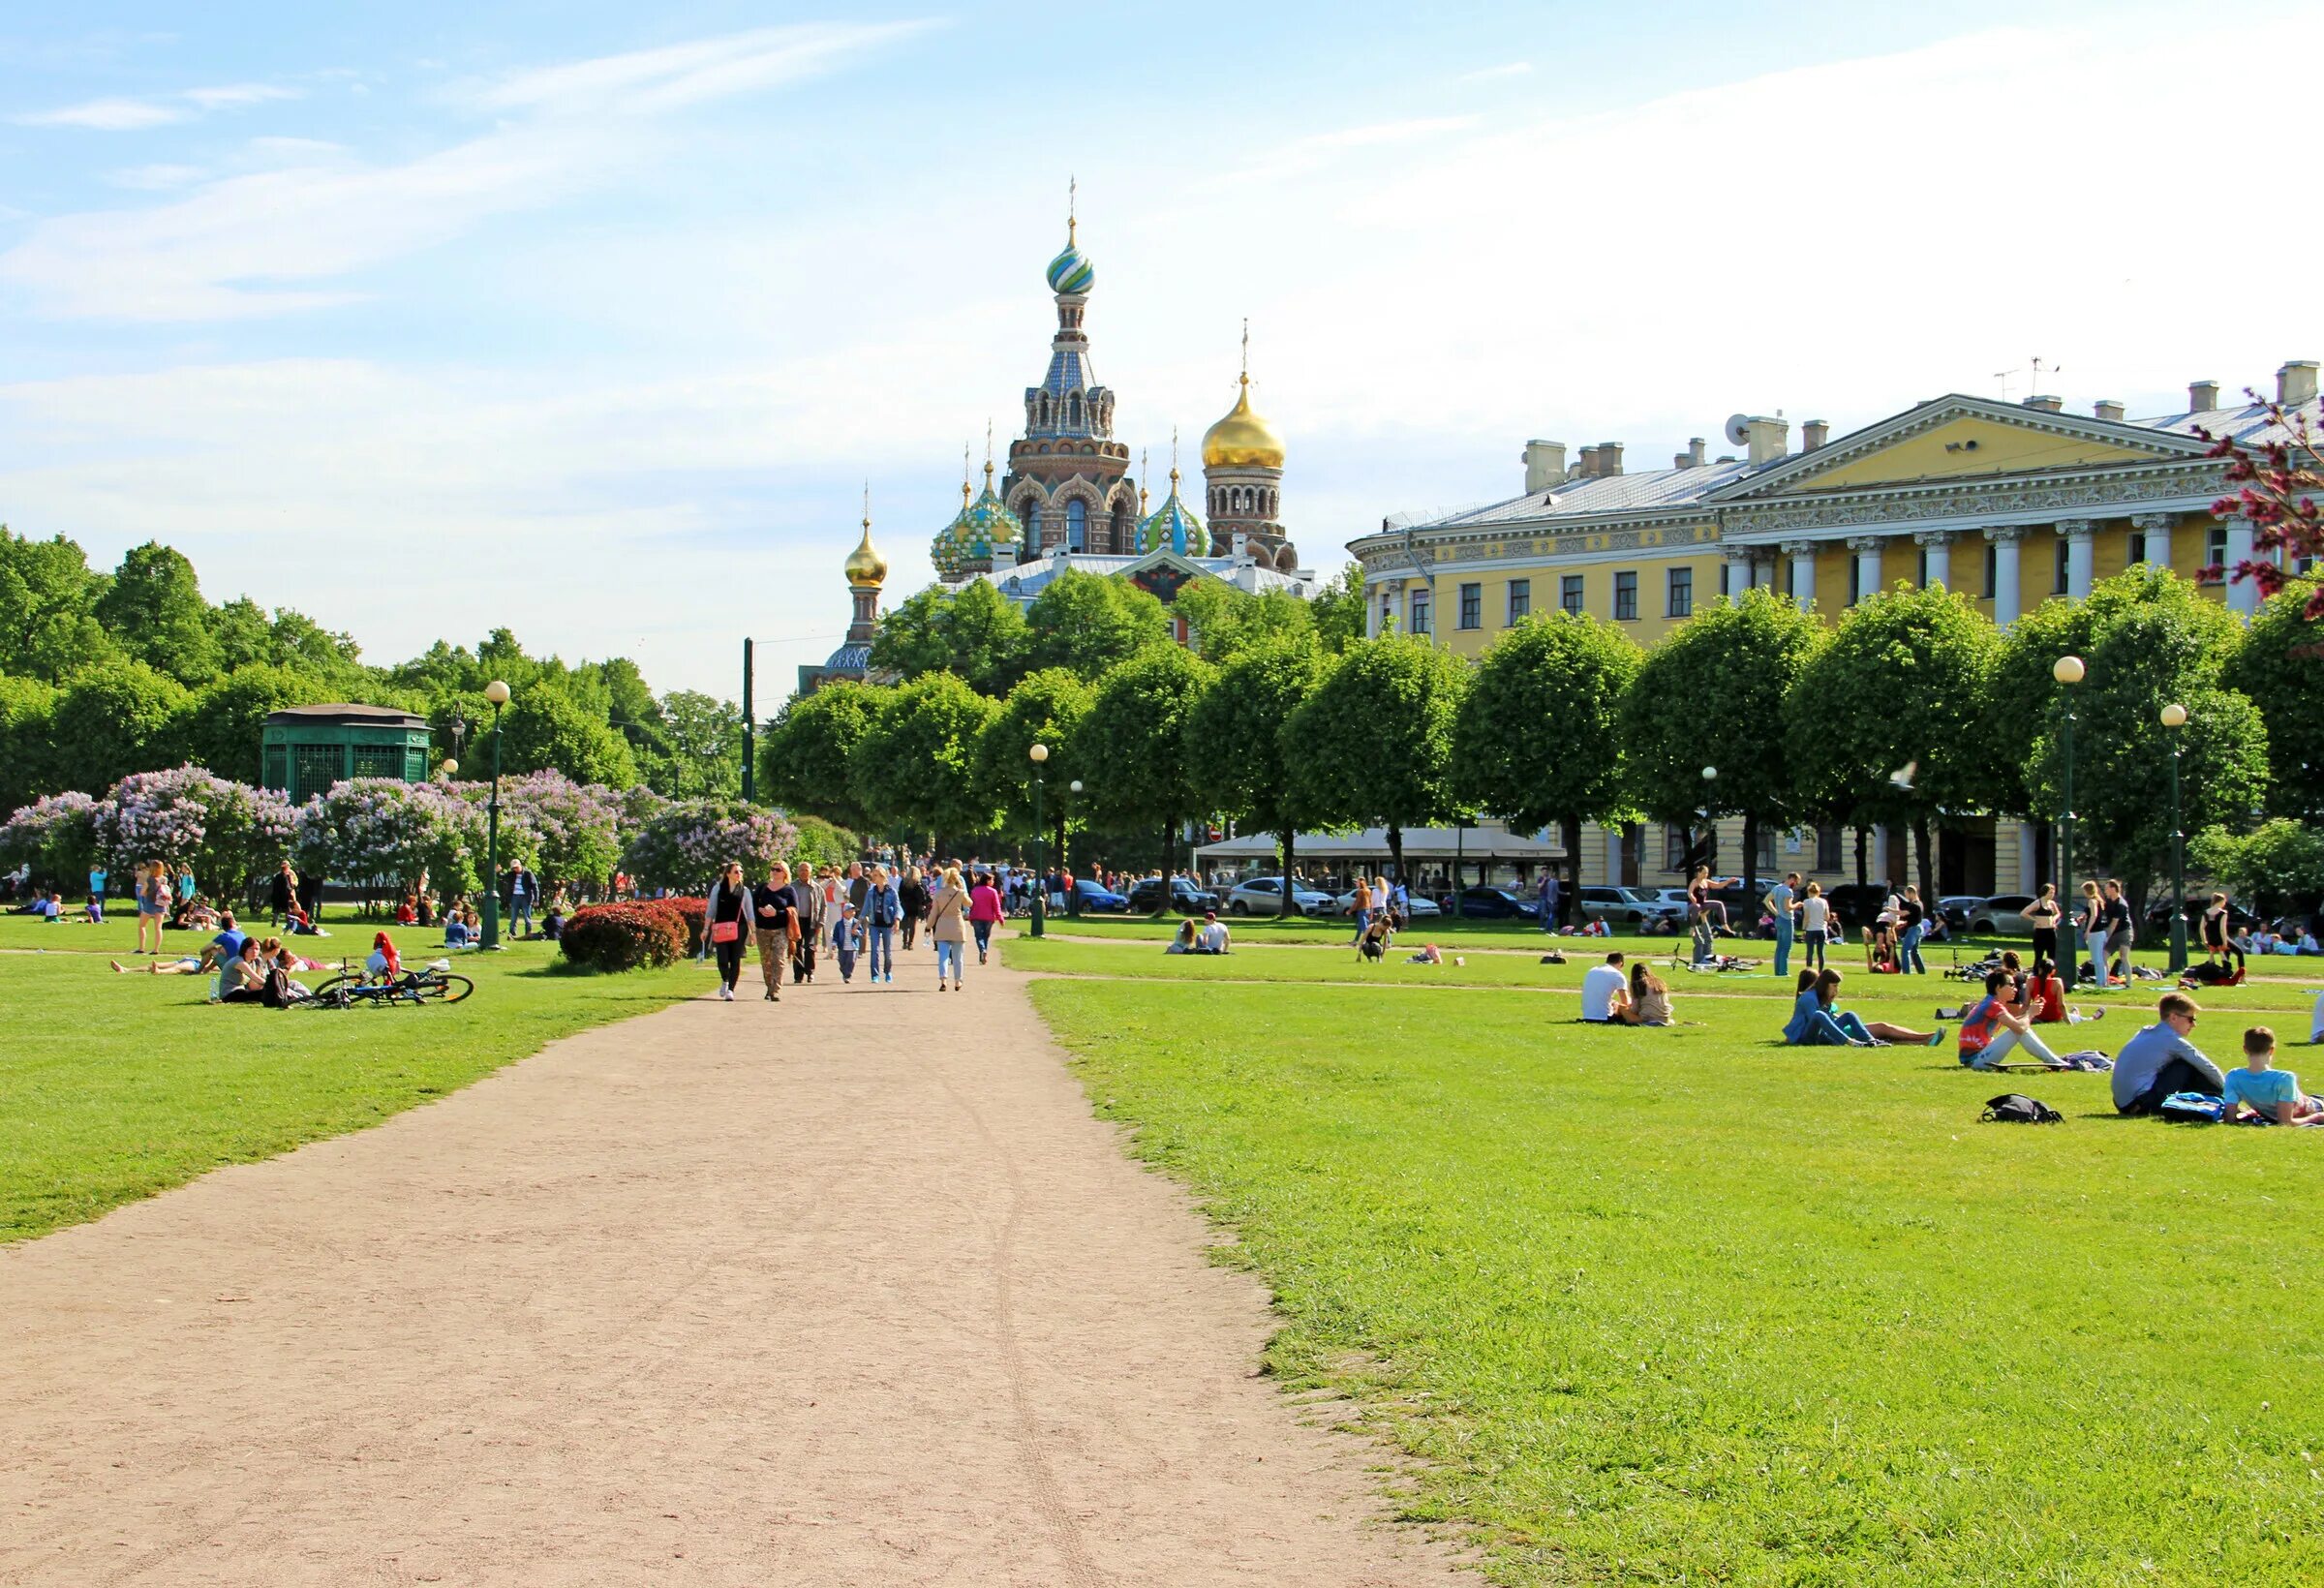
<point x="244" y="978"/>
<point x="1214" y="935"/>
<point x="50" y="909"/>
<point x="1993" y="1027"/>
<point x="1185" y="939"/>
<point x="1818" y="1022"/>
<point x="381" y="965"/>
<point x="2046" y="990"/>
<point x="1649" y="999"/>
<point x="1604" y="991"/>
<point x="229" y="939"/>
<point x="2270" y="1093"/>
<point x="277" y="962"/>
<point x="2162" y="1058"/>
<point x="455" y="932"/>
<point x="299" y="925"/>
<point x="1372" y="942"/>
<point x="1881" y="950"/>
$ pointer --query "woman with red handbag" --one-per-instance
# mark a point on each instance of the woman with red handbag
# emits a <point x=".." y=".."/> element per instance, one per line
<point x="722" y="916"/>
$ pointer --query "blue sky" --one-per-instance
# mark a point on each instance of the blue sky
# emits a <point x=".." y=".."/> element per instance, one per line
<point x="594" y="320"/>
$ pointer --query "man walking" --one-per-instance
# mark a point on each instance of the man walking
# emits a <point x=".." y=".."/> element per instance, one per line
<point x="1910" y="924"/>
<point x="2121" y="934"/>
<point x="1780" y="901"/>
<point x="520" y="890"/>
<point x="774" y="922"/>
<point x="807" y="899"/>
<point x="1548" y="899"/>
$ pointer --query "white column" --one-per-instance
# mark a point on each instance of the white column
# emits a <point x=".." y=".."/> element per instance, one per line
<point x="1613" y="855"/>
<point x="2079" y="557"/>
<point x="1937" y="546"/>
<point x="1762" y="571"/>
<point x="1867" y="548"/>
<point x="2155" y="527"/>
<point x="2241" y="595"/>
<point x="1802" y="554"/>
<point x="1738" y="570"/>
<point x="1880" y="853"/>
<point x="2007" y="540"/>
<point x="2026" y="882"/>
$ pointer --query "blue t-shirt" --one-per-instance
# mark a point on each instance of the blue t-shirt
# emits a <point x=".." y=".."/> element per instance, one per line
<point x="1803" y="1016"/>
<point x="231" y="941"/>
<point x="2263" y="1089"/>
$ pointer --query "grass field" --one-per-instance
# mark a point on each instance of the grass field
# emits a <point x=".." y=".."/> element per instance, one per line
<point x="114" y="1087"/>
<point x="1687" y="1306"/>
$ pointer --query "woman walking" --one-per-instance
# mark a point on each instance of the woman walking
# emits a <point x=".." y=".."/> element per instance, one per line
<point x="912" y="893"/>
<point x="882" y="909"/>
<point x="984" y="909"/>
<point x="1815" y="923"/>
<point x="726" y="915"/>
<point x="153" y="903"/>
<point x="2044" y="915"/>
<point x="948" y="926"/>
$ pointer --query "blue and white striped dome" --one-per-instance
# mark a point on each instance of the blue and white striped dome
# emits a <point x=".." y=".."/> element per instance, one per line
<point x="1172" y="526"/>
<point x="1071" y="271"/>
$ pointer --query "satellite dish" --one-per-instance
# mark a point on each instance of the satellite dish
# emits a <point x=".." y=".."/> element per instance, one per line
<point x="1738" y="429"/>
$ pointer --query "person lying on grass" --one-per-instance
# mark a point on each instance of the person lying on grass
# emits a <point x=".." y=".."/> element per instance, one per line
<point x="192" y="965"/>
<point x="1817" y="1021"/>
<point x="2268" y="1092"/>
<point x="1993" y="1027"/>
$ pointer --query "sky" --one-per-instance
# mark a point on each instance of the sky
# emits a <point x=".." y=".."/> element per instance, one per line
<point x="596" y="321"/>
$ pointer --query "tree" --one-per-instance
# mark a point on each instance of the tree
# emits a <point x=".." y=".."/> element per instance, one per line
<point x="804" y="756"/>
<point x="1234" y="740"/>
<point x="114" y="720"/>
<point x="2276" y="486"/>
<point x="575" y="827"/>
<point x="1374" y="743"/>
<point x="1088" y="624"/>
<point x="2278" y="865"/>
<point x="1708" y="696"/>
<point x="224" y="723"/>
<point x="376" y="830"/>
<point x="48" y="626"/>
<point x="1223" y="621"/>
<point x="914" y="766"/>
<point x="547" y="726"/>
<point x="632" y="712"/>
<point x="689" y="841"/>
<point x="1339" y="610"/>
<point x="155" y="610"/>
<point x="1044" y="708"/>
<point x="704" y="738"/>
<point x="1539" y="736"/>
<point x="974" y="631"/>
<point x="2281" y="667"/>
<point x="1889" y="721"/>
<point x="56" y="835"/>
<point x="1132" y="744"/>
<point x="27" y="740"/>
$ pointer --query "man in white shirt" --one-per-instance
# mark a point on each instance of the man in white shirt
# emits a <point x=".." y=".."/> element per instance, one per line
<point x="1214" y="933"/>
<point x="1600" y="986"/>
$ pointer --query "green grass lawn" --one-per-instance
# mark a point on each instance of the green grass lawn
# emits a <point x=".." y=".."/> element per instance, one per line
<point x="1687" y="1306"/>
<point x="114" y="1087"/>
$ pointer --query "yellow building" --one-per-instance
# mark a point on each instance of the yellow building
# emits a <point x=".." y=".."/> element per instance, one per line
<point x="2008" y="502"/>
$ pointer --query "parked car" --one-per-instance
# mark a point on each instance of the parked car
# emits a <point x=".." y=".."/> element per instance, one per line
<point x="1628" y="906"/>
<point x="1146" y="896"/>
<point x="1958" y="908"/>
<point x="1264" y="895"/>
<point x="1855" y="904"/>
<point x="2004" y="915"/>
<point x="1489" y="904"/>
<point x="1096" y="895"/>
<point x="1345" y="905"/>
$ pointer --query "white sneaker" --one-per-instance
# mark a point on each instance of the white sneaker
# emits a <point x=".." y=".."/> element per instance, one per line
<point x="725" y="995"/>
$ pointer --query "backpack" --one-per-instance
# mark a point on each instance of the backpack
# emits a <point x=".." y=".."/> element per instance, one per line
<point x="2189" y="1108"/>
<point x="2017" y="1109"/>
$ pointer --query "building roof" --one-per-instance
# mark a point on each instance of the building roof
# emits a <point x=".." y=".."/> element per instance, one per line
<point x="1641" y="492"/>
<point x="343" y="716"/>
<point x="2249" y="423"/>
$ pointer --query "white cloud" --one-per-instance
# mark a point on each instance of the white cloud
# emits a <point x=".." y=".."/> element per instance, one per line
<point x="648" y="81"/>
<point x="241" y="93"/>
<point x="1305" y="155"/>
<point x="107" y="115"/>
<point x="155" y="178"/>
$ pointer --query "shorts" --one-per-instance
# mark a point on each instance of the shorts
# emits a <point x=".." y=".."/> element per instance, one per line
<point x="151" y="910"/>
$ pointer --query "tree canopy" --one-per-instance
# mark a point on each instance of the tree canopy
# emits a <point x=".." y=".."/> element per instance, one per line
<point x="914" y="766"/>
<point x="1132" y="741"/>
<point x="1373" y="744"/>
<point x="1086" y="624"/>
<point x="1234" y="739"/>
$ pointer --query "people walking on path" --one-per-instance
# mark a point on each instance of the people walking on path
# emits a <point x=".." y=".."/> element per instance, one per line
<point x="774" y="922"/>
<point x="948" y="926"/>
<point x="725" y="919"/>
<point x="912" y="893"/>
<point x="881" y="912"/>
<point x="984" y="910"/>
<point x="807" y="896"/>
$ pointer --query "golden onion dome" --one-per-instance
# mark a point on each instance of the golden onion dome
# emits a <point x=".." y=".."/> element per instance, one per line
<point x="1243" y="440"/>
<point x="865" y="565"/>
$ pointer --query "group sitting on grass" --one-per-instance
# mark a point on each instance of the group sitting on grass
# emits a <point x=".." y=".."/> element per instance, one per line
<point x="1210" y="937"/>
<point x="1816" y="1020"/>
<point x="1611" y="997"/>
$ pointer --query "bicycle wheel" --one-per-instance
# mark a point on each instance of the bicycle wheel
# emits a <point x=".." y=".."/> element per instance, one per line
<point x="335" y="994"/>
<point x="445" y="989"/>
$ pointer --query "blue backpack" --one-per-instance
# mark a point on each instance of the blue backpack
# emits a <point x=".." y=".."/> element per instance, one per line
<point x="2191" y="1107"/>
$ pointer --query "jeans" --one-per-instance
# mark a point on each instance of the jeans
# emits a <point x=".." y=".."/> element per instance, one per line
<point x="1813" y="955"/>
<point x="1783" y="948"/>
<point x="2177" y="1075"/>
<point x="2093" y="945"/>
<point x="1549" y="913"/>
<point x="947" y="951"/>
<point x="1706" y="947"/>
<point x="2002" y="1043"/>
<point x="881" y="945"/>
<point x="520" y="915"/>
<point x="983" y="937"/>
<point x="1829" y="1030"/>
<point x="1907" y="952"/>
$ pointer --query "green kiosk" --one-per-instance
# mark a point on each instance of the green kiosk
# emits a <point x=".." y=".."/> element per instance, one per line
<point x="307" y="748"/>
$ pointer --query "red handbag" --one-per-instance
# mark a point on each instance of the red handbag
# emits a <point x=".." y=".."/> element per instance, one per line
<point x="726" y="931"/>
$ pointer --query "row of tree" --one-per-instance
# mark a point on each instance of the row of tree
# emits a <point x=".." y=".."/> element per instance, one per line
<point x="107" y="674"/>
<point x="1913" y="711"/>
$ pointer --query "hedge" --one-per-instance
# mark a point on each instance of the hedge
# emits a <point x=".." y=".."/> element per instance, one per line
<point x="625" y="936"/>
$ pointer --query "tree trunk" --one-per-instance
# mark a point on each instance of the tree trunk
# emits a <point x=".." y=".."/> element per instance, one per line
<point x="1863" y="842"/>
<point x="1571" y="893"/>
<point x="1928" y="868"/>
<point x="1284" y="909"/>
<point x="1395" y="850"/>
<point x="1751" y="861"/>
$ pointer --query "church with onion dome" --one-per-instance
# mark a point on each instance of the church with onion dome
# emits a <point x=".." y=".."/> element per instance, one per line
<point x="1067" y="499"/>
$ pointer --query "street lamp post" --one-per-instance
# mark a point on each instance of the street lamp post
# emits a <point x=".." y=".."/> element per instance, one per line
<point x="496" y="691"/>
<point x="1073" y="896"/>
<point x="1039" y="754"/>
<point x="2174" y="717"/>
<point x="2070" y="672"/>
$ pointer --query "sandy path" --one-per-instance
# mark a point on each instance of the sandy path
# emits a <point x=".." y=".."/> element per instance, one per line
<point x="849" y="1290"/>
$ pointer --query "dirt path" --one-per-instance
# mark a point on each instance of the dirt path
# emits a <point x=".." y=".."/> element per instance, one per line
<point x="849" y="1290"/>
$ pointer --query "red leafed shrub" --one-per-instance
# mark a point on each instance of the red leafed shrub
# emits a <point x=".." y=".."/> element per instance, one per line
<point x="625" y="936"/>
<point x="691" y="911"/>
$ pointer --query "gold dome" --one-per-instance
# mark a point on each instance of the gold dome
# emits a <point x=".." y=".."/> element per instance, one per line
<point x="865" y="565"/>
<point x="1243" y="440"/>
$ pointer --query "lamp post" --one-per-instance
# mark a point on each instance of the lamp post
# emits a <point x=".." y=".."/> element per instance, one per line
<point x="446" y="770"/>
<point x="2174" y="717"/>
<point x="1710" y="811"/>
<point x="1039" y="755"/>
<point x="2070" y="672"/>
<point x="1073" y="896"/>
<point x="496" y="691"/>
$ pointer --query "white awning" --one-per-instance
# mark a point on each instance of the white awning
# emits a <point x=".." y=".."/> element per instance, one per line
<point x="1485" y="842"/>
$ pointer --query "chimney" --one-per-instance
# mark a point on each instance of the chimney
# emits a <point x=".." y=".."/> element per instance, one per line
<point x="1770" y="439"/>
<point x="2048" y="404"/>
<point x="1609" y="457"/>
<point x="2296" y="382"/>
<point x="2109" y="409"/>
<point x="1813" y="434"/>
<point x="1694" y="453"/>
<point x="1544" y="466"/>
<point x="1589" y="463"/>
<point x="1243" y="546"/>
<point x="2202" y="396"/>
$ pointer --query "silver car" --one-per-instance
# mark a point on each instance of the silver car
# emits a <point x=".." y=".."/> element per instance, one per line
<point x="1627" y="907"/>
<point x="1264" y="895"/>
<point x="2004" y="915"/>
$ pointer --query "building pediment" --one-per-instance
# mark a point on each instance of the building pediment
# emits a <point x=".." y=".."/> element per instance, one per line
<point x="1960" y="438"/>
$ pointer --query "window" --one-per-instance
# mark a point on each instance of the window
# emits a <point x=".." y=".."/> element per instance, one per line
<point x="1993" y="569"/>
<point x="379" y="760"/>
<point x="1388" y="612"/>
<point x="1675" y="847"/>
<point x="1726" y="579"/>
<point x="2058" y="588"/>
<point x="1626" y="598"/>
<point x="1766" y="848"/>
<point x="313" y="769"/>
<point x="1827" y="848"/>
<point x="1682" y="594"/>
<point x="2138" y="547"/>
<point x="1792" y="577"/>
<point x="1520" y="598"/>
<point x="1920" y="580"/>
<point x="1472" y="606"/>
<point x="1077" y="525"/>
<point x="1855" y="580"/>
<point x="1420" y="612"/>
<point x="2215" y="548"/>
<point x="1569" y="594"/>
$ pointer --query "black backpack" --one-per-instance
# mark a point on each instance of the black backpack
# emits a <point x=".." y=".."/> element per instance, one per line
<point x="2017" y="1109"/>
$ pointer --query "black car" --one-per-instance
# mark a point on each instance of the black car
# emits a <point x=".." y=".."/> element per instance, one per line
<point x="1492" y="904"/>
<point x="1146" y="896"/>
<point x="1856" y="906"/>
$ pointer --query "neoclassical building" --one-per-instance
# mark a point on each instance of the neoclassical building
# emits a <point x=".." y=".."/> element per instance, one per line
<point x="2008" y="502"/>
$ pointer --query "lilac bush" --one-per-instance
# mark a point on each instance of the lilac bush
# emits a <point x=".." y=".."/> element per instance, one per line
<point x="56" y="835"/>
<point x="575" y="827"/>
<point x="377" y="829"/>
<point x="190" y="816"/>
<point x="685" y="846"/>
